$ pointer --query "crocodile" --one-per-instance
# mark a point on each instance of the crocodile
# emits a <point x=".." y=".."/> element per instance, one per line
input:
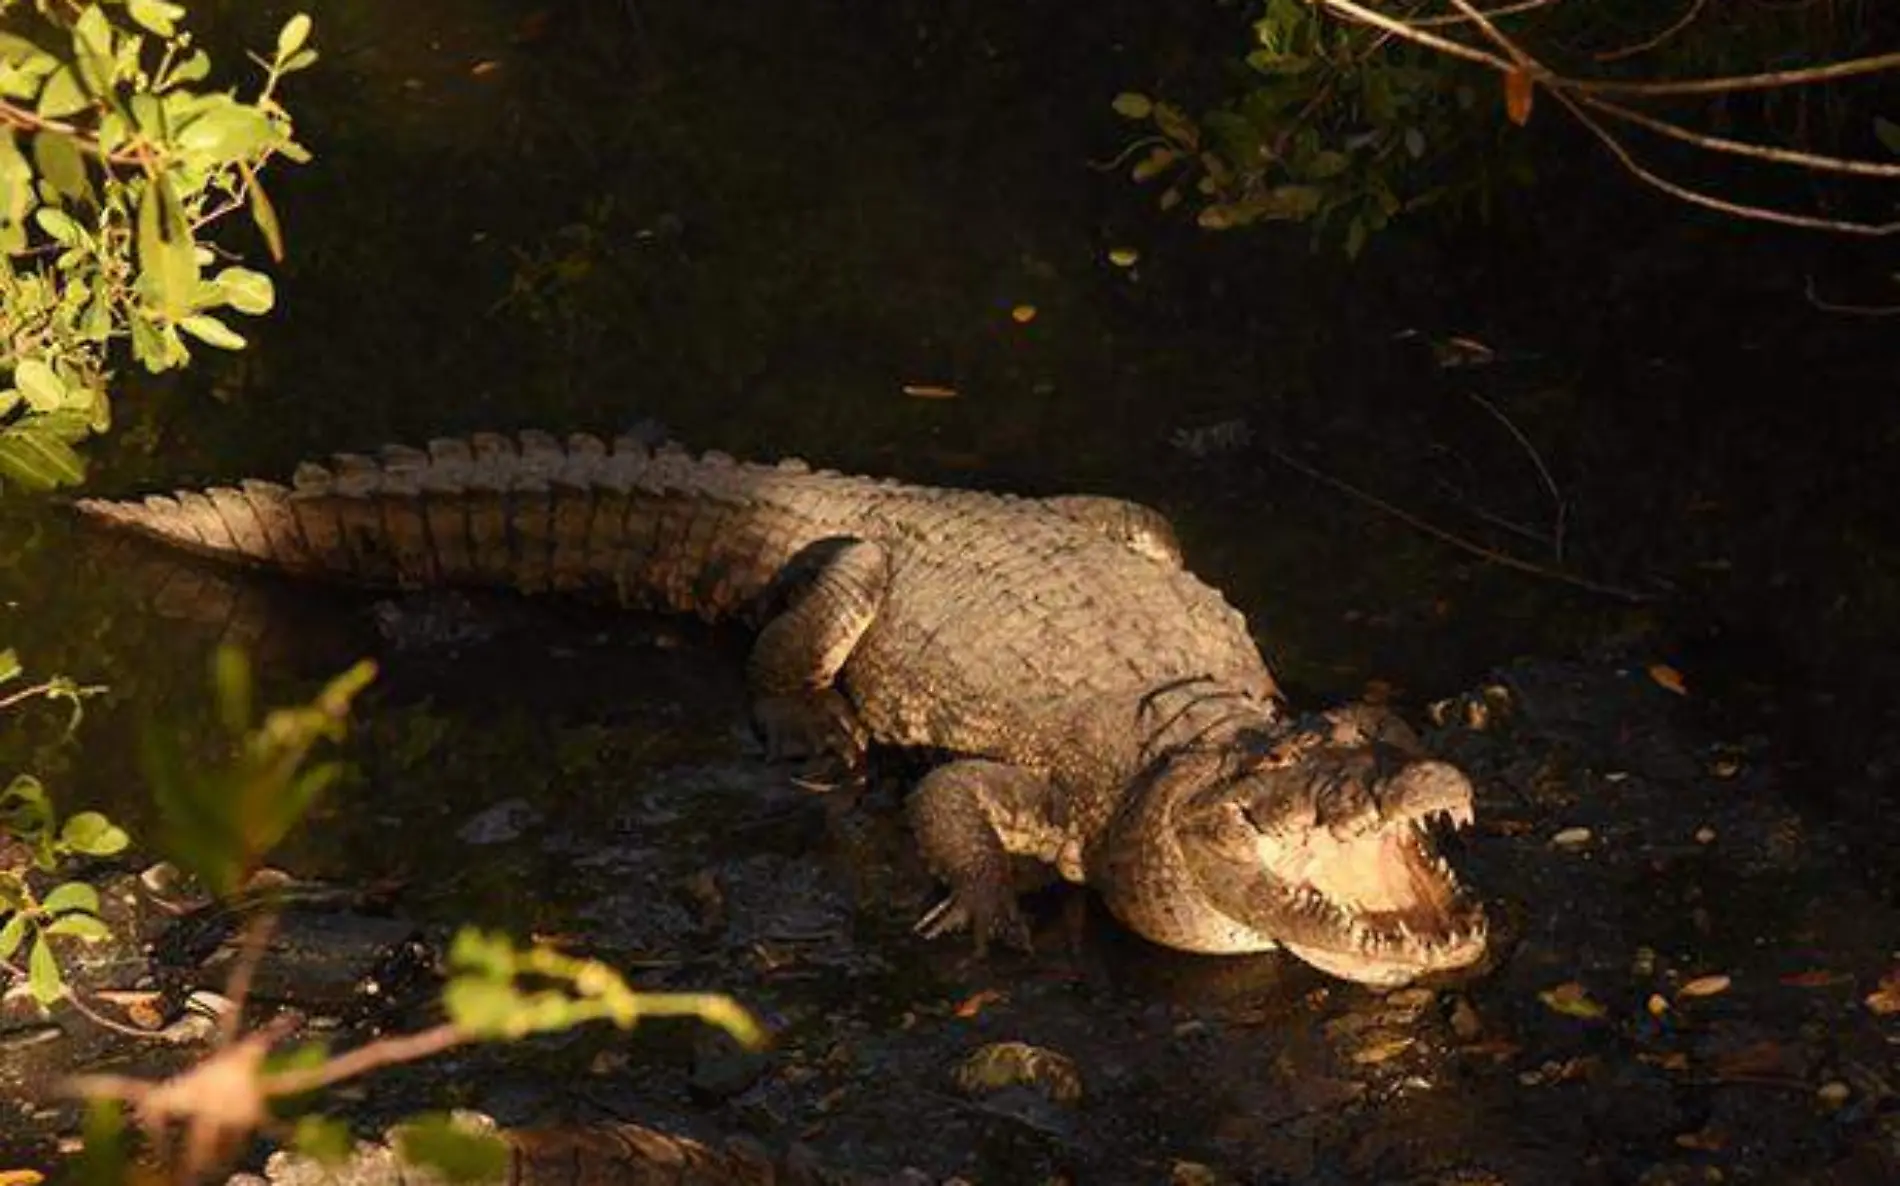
<point x="1098" y="712"/>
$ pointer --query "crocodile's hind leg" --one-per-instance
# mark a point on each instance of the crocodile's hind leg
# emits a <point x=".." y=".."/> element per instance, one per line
<point x="987" y="830"/>
<point x="795" y="662"/>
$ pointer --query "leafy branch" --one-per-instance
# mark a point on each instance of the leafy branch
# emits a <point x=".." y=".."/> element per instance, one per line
<point x="220" y="824"/>
<point x="1357" y="106"/>
<point x="113" y="166"/>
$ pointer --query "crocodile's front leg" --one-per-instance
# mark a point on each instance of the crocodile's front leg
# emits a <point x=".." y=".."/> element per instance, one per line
<point x="795" y="662"/>
<point x="974" y="820"/>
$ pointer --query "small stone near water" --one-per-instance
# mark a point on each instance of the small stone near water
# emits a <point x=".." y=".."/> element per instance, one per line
<point x="499" y="824"/>
<point x="721" y="1067"/>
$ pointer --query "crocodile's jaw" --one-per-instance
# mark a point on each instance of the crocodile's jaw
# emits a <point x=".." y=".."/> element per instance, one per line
<point x="1333" y="858"/>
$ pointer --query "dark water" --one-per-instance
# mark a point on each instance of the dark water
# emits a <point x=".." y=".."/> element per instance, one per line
<point x="760" y="227"/>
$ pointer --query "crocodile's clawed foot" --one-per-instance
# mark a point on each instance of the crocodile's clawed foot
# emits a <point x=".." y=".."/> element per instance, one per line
<point x="810" y="724"/>
<point x="990" y="914"/>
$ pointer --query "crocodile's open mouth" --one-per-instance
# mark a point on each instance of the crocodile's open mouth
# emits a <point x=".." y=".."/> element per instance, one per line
<point x="1335" y="857"/>
<point x="1373" y="899"/>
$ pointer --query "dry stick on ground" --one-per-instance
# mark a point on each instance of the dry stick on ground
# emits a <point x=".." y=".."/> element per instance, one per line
<point x="1543" y="473"/>
<point x="1457" y="541"/>
<point x="1576" y="93"/>
<point x="1827" y="306"/>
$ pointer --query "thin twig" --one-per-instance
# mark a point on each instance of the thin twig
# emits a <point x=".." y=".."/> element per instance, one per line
<point x="1642" y="47"/>
<point x="83" y="1009"/>
<point x="1401" y="29"/>
<point x="1500" y="558"/>
<point x="1760" y="152"/>
<point x="380" y="1053"/>
<point x="1698" y="198"/>
<point x="237" y="988"/>
<point x="1772" y="80"/>
<point x="1440" y="22"/>
<point x="1563" y="90"/>
<point x="1543" y="473"/>
<point x="1820" y="302"/>
<point x="87" y="143"/>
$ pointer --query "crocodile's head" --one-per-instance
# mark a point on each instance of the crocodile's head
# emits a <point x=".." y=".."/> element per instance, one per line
<point x="1328" y="850"/>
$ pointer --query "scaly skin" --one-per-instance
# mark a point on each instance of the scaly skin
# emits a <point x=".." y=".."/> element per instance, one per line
<point x="1108" y="714"/>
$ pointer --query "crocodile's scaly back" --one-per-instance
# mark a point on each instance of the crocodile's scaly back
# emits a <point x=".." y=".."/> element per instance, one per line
<point x="996" y="606"/>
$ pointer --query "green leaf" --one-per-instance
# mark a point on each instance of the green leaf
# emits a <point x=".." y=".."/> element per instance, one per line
<point x="1290" y="202"/>
<point x="11" y="934"/>
<point x="89" y="928"/>
<point x="193" y="69"/>
<point x="69" y="896"/>
<point x="1133" y="105"/>
<point x="37" y="459"/>
<point x="42" y="972"/>
<point x="1155" y="162"/>
<point x="1176" y="126"/>
<point x="1355" y="238"/>
<point x="323" y="1139"/>
<point x="291" y="37"/>
<point x="39" y="384"/>
<point x="96" y="326"/>
<point x="92" y="49"/>
<point x="227" y="132"/>
<point x="62" y="96"/>
<point x="92" y="834"/>
<point x="195" y="811"/>
<point x="25" y="807"/>
<point x="16" y="184"/>
<point x="231" y="687"/>
<point x="211" y="331"/>
<point x="102" y="1156"/>
<point x="482" y="1007"/>
<point x="155" y="16"/>
<point x="303" y="59"/>
<point x="61" y="164"/>
<point x="17" y="51"/>
<point x="1888" y="133"/>
<point x="265" y="216"/>
<point x="58" y="225"/>
<point x="10" y="666"/>
<point x="1322" y="165"/>
<point x="169" y="267"/>
<point x="1278" y="65"/>
<point x="456" y="1153"/>
<point x="247" y="291"/>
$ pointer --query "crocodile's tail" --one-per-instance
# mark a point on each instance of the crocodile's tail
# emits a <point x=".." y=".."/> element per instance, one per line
<point x="642" y="524"/>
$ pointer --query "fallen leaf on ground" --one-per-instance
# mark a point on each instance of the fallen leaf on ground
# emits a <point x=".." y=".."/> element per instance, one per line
<point x="1705" y="986"/>
<point x="1818" y="978"/>
<point x="975" y="1003"/>
<point x="929" y="391"/>
<point x="1668" y="678"/>
<point x="1885" y="1000"/>
<point x="1572" y="1000"/>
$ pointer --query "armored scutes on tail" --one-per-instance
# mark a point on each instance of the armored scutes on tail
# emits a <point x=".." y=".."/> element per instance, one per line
<point x="1109" y="714"/>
